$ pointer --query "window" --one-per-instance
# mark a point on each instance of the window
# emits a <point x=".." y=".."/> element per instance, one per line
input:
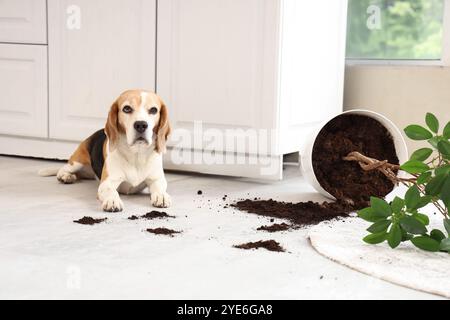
<point x="395" y="29"/>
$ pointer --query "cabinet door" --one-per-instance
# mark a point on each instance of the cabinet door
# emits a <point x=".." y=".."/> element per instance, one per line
<point x="217" y="64"/>
<point x="23" y="83"/>
<point x="23" y="21"/>
<point x="312" y="67"/>
<point x="97" y="49"/>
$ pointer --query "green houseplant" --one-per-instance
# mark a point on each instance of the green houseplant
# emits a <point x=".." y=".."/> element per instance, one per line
<point x="428" y="182"/>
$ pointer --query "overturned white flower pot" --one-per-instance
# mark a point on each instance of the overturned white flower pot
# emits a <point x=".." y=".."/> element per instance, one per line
<point x="307" y="152"/>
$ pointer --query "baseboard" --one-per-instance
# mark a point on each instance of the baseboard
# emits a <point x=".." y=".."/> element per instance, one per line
<point x="249" y="166"/>
<point x="37" y="148"/>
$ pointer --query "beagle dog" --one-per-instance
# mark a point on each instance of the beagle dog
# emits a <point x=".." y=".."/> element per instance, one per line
<point x="127" y="155"/>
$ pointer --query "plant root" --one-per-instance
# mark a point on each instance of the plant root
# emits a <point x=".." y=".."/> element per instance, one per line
<point x="370" y="164"/>
<point x="390" y="171"/>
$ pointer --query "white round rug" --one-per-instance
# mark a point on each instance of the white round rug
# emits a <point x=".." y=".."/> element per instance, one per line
<point x="341" y="241"/>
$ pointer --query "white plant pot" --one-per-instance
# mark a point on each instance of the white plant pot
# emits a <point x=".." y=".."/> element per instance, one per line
<point x="306" y="154"/>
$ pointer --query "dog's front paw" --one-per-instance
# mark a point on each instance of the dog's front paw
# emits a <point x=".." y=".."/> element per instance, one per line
<point x="161" y="200"/>
<point x="66" y="177"/>
<point x="112" y="204"/>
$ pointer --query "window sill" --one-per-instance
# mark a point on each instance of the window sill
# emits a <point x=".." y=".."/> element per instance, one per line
<point x="407" y="63"/>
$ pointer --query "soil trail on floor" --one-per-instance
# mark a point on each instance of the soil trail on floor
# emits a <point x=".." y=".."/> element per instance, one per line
<point x="270" y="245"/>
<point x="163" y="231"/>
<point x="151" y="215"/>
<point x="300" y="214"/>
<point x="275" y="228"/>
<point x="90" y="221"/>
<point x="346" y="181"/>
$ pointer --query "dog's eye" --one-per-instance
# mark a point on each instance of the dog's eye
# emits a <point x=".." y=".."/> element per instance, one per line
<point x="127" y="109"/>
<point x="153" y="110"/>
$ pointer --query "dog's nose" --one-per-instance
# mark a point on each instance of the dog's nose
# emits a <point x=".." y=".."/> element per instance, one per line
<point x="140" y="126"/>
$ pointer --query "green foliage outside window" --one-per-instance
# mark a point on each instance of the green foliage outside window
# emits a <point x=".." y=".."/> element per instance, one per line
<point x="395" y="29"/>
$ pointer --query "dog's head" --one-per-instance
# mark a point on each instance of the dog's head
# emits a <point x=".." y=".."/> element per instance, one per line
<point x="140" y="118"/>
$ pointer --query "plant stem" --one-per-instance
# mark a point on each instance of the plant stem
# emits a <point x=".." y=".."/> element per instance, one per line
<point x="435" y="203"/>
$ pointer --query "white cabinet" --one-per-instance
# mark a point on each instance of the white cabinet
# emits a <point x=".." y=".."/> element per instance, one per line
<point x="23" y="21"/>
<point x="23" y="83"/>
<point x="216" y="64"/>
<point x="312" y="66"/>
<point x="276" y="65"/>
<point x="97" y="49"/>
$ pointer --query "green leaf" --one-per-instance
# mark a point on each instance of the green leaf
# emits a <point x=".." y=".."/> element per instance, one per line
<point x="397" y="205"/>
<point x="415" y="167"/>
<point x="406" y="236"/>
<point x="370" y="215"/>
<point x="418" y="133"/>
<point x="445" y="245"/>
<point x="445" y="195"/>
<point x="421" y="154"/>
<point x="432" y="122"/>
<point x="444" y="147"/>
<point x="424" y="178"/>
<point x="380" y="206"/>
<point x="447" y="131"/>
<point x="412" y="225"/>
<point x="447" y="225"/>
<point x="422" y="218"/>
<point x="395" y="236"/>
<point x="412" y="197"/>
<point x="435" y="185"/>
<point x="375" y="238"/>
<point x="424" y="201"/>
<point x="442" y="170"/>
<point x="379" y="226"/>
<point x="437" y="235"/>
<point x="434" y="142"/>
<point x="426" y="243"/>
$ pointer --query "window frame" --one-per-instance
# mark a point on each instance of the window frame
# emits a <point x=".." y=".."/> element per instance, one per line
<point x="444" y="61"/>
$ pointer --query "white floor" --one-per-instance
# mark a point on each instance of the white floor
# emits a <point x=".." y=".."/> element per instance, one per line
<point x="43" y="254"/>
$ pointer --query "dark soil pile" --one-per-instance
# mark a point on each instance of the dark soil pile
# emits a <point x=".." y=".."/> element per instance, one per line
<point x="275" y="228"/>
<point x="90" y="221"/>
<point x="346" y="180"/>
<point x="151" y="215"/>
<point x="301" y="214"/>
<point x="270" y="245"/>
<point x="163" y="231"/>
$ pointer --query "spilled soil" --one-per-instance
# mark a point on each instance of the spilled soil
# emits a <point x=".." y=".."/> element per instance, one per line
<point x="275" y="228"/>
<point x="151" y="215"/>
<point x="163" y="231"/>
<point x="346" y="181"/>
<point x="90" y="221"/>
<point x="270" y="245"/>
<point x="299" y="214"/>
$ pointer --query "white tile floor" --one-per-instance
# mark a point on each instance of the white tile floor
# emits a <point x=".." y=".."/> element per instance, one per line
<point x="43" y="254"/>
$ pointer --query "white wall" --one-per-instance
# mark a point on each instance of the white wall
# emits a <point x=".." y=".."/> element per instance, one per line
<point x="402" y="93"/>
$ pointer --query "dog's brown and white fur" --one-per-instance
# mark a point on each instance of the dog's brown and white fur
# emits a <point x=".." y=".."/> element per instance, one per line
<point x="131" y="147"/>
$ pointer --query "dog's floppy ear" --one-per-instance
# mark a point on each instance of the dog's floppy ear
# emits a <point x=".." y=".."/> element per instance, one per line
<point x="112" y="124"/>
<point x="162" y="130"/>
